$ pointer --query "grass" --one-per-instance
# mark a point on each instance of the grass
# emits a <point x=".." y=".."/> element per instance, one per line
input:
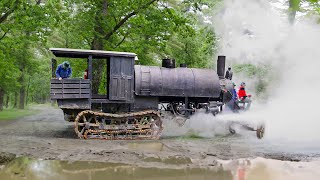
<point x="11" y="114"/>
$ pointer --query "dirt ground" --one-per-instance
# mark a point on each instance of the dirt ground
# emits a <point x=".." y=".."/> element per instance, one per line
<point x="47" y="136"/>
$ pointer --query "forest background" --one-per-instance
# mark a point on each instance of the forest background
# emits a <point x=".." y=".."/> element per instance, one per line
<point x="153" y="29"/>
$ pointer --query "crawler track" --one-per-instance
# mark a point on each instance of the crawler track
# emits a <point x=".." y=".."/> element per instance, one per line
<point x="138" y="125"/>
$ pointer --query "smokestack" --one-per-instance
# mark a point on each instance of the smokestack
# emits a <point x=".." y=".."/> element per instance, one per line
<point x="183" y="65"/>
<point x="221" y="65"/>
<point x="168" y="63"/>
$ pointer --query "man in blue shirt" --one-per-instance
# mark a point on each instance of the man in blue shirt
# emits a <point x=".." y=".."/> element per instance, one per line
<point x="63" y="70"/>
<point x="234" y="92"/>
<point x="232" y="104"/>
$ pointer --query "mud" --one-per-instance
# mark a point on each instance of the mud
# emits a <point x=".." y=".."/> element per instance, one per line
<point x="47" y="136"/>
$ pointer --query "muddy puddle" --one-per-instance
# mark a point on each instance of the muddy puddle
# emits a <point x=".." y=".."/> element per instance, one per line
<point x="25" y="168"/>
<point x="259" y="168"/>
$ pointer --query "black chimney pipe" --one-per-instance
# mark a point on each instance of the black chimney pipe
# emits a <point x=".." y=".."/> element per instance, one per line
<point x="183" y="65"/>
<point x="221" y="65"/>
<point x="168" y="63"/>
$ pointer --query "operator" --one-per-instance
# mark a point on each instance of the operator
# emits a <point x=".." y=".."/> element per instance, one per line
<point x="234" y="92"/>
<point x="242" y="91"/>
<point x="243" y="96"/>
<point x="233" y="103"/>
<point x="63" y="70"/>
<point x="229" y="73"/>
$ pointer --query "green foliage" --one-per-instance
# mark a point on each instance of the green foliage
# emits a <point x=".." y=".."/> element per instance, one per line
<point x="9" y="73"/>
<point x="24" y="27"/>
<point x="146" y="33"/>
<point x="153" y="29"/>
<point x="196" y="49"/>
<point x="296" y="5"/>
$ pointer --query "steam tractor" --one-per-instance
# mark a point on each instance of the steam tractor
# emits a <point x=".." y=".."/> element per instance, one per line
<point x="134" y="95"/>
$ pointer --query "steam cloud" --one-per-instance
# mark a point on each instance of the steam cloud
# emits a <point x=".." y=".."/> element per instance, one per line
<point x="256" y="31"/>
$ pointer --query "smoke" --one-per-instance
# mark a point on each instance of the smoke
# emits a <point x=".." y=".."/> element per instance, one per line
<point x="206" y="125"/>
<point x="257" y="31"/>
<point x="199" y="125"/>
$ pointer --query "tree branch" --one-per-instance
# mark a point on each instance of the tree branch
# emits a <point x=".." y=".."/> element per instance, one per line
<point x="115" y="18"/>
<point x="10" y="11"/>
<point x="38" y="2"/>
<point x="4" y="35"/>
<point x="126" y="18"/>
<point x="5" y="16"/>
<point x="105" y="7"/>
<point x="124" y="38"/>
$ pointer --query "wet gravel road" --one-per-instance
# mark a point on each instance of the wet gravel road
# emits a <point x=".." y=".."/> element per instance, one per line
<point x="47" y="136"/>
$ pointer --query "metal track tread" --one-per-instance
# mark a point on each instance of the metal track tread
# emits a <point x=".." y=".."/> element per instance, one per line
<point x="130" y="126"/>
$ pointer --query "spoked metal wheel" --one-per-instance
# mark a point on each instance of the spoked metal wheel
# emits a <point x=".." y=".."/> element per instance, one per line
<point x="85" y="122"/>
<point x="259" y="130"/>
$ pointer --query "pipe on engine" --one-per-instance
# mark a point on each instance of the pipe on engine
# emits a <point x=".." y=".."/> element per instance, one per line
<point x="221" y="65"/>
<point x="168" y="63"/>
<point x="183" y="65"/>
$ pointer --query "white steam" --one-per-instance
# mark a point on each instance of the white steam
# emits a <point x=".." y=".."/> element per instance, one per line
<point x="254" y="31"/>
<point x="200" y="124"/>
<point x="257" y="31"/>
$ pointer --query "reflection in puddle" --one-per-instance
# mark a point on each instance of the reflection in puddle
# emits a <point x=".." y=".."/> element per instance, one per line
<point x="256" y="169"/>
<point x="24" y="168"/>
<point x="267" y="169"/>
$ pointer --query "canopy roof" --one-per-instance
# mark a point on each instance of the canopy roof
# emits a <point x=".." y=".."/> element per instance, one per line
<point x="83" y="53"/>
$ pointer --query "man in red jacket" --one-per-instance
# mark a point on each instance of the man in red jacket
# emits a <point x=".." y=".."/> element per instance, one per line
<point x="242" y="92"/>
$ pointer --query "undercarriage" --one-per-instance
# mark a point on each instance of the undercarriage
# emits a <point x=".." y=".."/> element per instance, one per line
<point x="130" y="126"/>
<point x="181" y="113"/>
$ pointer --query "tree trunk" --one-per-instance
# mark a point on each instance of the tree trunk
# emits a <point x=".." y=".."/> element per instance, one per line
<point x="53" y="67"/>
<point x="28" y="86"/>
<point x="22" y="97"/>
<point x="1" y="99"/>
<point x="294" y="6"/>
<point x="7" y="101"/>
<point x="22" y="90"/>
<point x="97" y="67"/>
<point x="15" y="104"/>
<point x="98" y="44"/>
<point x="23" y="65"/>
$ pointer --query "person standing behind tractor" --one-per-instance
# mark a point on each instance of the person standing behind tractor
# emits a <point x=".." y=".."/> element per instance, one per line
<point x="242" y="91"/>
<point x="229" y="73"/>
<point x="242" y="94"/>
<point x="63" y="70"/>
<point x="233" y="104"/>
<point x="234" y="92"/>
